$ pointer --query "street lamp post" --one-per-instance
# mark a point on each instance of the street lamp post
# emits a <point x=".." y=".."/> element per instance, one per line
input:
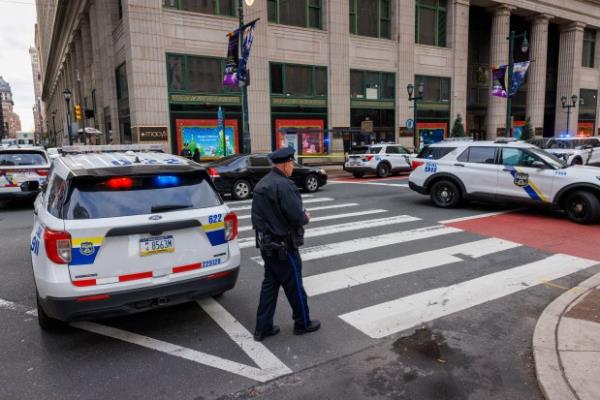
<point x="246" y="145"/>
<point x="511" y="63"/>
<point x="54" y="127"/>
<point x="410" y="88"/>
<point x="67" y="96"/>
<point x="573" y="104"/>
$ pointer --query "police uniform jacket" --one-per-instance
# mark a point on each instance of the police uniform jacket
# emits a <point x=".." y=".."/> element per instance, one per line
<point x="277" y="208"/>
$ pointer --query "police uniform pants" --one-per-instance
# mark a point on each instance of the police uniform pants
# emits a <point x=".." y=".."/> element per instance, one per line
<point x="280" y="271"/>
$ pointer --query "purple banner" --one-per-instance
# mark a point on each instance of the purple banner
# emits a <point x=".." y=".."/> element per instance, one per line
<point x="230" y="76"/>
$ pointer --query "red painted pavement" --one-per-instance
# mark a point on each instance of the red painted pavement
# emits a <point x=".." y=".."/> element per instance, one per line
<point x="548" y="232"/>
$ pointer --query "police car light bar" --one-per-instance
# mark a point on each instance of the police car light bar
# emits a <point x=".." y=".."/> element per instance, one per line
<point x="107" y="148"/>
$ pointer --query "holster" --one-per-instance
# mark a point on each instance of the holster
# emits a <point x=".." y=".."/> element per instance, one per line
<point x="268" y="244"/>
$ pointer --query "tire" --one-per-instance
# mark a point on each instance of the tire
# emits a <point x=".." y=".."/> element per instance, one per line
<point x="241" y="189"/>
<point x="445" y="194"/>
<point x="311" y="183"/>
<point x="577" y="161"/>
<point x="582" y="207"/>
<point x="358" y="174"/>
<point x="45" y="322"/>
<point x="383" y="170"/>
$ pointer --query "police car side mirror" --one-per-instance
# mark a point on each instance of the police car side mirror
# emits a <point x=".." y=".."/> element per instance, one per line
<point x="538" y="165"/>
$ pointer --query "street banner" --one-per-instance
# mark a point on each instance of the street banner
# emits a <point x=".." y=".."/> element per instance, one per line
<point x="499" y="76"/>
<point x="499" y="81"/>
<point x="247" y="39"/>
<point x="230" y="76"/>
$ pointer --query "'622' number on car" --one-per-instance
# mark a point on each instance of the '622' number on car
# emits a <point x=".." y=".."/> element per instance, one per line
<point x="214" y="219"/>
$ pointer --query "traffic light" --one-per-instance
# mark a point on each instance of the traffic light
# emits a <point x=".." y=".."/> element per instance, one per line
<point x="78" y="115"/>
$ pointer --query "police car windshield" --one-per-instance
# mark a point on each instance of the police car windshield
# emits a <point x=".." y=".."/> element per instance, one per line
<point x="20" y="158"/>
<point x="551" y="159"/>
<point x="126" y="196"/>
<point x="564" y="144"/>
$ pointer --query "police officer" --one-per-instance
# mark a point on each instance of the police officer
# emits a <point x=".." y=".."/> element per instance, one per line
<point x="278" y="219"/>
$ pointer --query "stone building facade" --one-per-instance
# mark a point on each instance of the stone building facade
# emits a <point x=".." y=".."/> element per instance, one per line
<point x="10" y="119"/>
<point x="39" y="112"/>
<point x="152" y="69"/>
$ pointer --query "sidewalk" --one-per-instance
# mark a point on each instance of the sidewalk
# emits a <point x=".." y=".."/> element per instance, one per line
<point x="566" y="344"/>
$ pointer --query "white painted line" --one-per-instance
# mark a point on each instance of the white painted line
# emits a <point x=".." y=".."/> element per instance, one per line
<point x="174" y="350"/>
<point x="373" y="183"/>
<point x="370" y="242"/>
<point x="348" y="227"/>
<point x="257" y="351"/>
<point x="240" y="202"/>
<point x="331" y="207"/>
<point x="354" y="276"/>
<point x="477" y="216"/>
<point x="405" y="313"/>
<point x="309" y="201"/>
<point x="328" y="217"/>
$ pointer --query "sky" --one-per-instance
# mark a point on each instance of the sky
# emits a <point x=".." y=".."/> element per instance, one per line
<point x="17" y="20"/>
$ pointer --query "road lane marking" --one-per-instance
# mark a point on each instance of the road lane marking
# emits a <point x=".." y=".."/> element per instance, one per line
<point x="398" y="315"/>
<point x="361" y="274"/>
<point x="405" y="185"/>
<point x="478" y="216"/>
<point x="370" y="242"/>
<point x="309" y="201"/>
<point x="328" y="217"/>
<point x="319" y="208"/>
<point x="240" y="202"/>
<point x="348" y="227"/>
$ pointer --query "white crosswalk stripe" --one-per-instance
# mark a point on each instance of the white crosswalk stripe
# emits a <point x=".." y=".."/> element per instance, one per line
<point x="249" y="201"/>
<point x="372" y="242"/>
<point x="407" y="312"/>
<point x="329" y="217"/>
<point x="319" y="208"/>
<point x="348" y="227"/>
<point x="309" y="201"/>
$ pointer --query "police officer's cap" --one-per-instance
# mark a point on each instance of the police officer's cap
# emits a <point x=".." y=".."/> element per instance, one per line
<point x="282" y="155"/>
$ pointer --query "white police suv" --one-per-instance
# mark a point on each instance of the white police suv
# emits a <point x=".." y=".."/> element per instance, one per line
<point x="122" y="229"/>
<point x="506" y="171"/>
<point x="575" y="150"/>
<point x="22" y="172"/>
<point x="379" y="159"/>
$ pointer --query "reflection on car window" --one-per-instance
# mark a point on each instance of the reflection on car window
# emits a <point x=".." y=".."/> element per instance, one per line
<point x="435" y="153"/>
<point x="260" y="162"/>
<point x="392" y="150"/>
<point x="517" y="157"/>
<point x="481" y="155"/>
<point x="21" y="159"/>
<point x="374" y="150"/>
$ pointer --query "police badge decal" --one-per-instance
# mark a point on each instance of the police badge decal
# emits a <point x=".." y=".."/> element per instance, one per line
<point x="87" y="248"/>
<point x="521" y="179"/>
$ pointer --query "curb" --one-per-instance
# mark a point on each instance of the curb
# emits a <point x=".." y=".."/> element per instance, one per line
<point x="548" y="366"/>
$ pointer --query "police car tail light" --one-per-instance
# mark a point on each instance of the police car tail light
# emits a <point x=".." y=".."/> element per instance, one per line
<point x="368" y="158"/>
<point x="231" y="226"/>
<point x="213" y="173"/>
<point x="58" y="246"/>
<point x="416" y="164"/>
<point x="119" y="183"/>
<point x="42" y="172"/>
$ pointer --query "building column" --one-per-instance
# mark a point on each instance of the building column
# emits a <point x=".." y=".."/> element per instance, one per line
<point x="458" y="40"/>
<point x="569" y="75"/>
<point x="597" y="68"/>
<point x="259" y="93"/>
<point x="338" y="79"/>
<point x="496" y="113"/>
<point x="536" y="85"/>
<point x="406" y="66"/>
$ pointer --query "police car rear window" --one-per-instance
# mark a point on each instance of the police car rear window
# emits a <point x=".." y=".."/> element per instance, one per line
<point x="21" y="158"/>
<point x="435" y="153"/>
<point x="365" y="150"/>
<point x="91" y="198"/>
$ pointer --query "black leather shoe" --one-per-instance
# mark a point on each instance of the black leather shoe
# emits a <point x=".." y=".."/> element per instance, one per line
<point x="259" y="336"/>
<point x="313" y="325"/>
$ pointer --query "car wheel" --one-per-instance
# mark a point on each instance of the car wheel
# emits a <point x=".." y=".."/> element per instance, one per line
<point x="241" y="189"/>
<point x="383" y="170"/>
<point x="445" y="194"/>
<point x="46" y="322"/>
<point x="358" y="174"/>
<point x="577" y="161"/>
<point x="583" y="207"/>
<point x="311" y="183"/>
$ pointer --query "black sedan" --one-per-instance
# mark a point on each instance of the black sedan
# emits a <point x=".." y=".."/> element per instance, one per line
<point x="238" y="174"/>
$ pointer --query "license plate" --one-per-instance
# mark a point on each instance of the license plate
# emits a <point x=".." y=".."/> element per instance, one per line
<point x="354" y="163"/>
<point x="156" y="245"/>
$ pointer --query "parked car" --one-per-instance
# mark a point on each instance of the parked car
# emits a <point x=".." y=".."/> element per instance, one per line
<point x="23" y="171"/>
<point x="238" y="174"/>
<point x="576" y="150"/>
<point x="379" y="159"/>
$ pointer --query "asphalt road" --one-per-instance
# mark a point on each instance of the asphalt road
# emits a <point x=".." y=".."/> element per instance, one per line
<point x="411" y="309"/>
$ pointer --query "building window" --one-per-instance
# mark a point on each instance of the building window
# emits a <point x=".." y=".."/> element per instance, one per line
<point x="303" y="13"/>
<point x="215" y="7"/>
<point x="122" y="89"/>
<point x="589" y="48"/>
<point x="431" y="22"/>
<point x="196" y="74"/>
<point x="372" y="85"/>
<point x="371" y="18"/>
<point x="437" y="90"/>
<point x="305" y="80"/>
<point x="120" y="7"/>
